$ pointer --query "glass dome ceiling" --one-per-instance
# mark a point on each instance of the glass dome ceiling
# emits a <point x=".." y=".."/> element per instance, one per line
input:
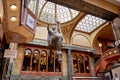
<point x="49" y="12"/>
<point x="89" y="23"/>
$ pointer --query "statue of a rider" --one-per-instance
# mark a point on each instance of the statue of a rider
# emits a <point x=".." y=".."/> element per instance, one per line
<point x="55" y="39"/>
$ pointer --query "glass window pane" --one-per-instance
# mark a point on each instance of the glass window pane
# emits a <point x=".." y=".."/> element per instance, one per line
<point x="75" y="64"/>
<point x="89" y="23"/>
<point x="49" y="12"/>
<point x="74" y="13"/>
<point x="63" y="14"/>
<point x="35" y="60"/>
<point x="43" y="61"/>
<point x="87" y="68"/>
<point x="27" y="60"/>
<point x="81" y="64"/>
<point x="32" y="5"/>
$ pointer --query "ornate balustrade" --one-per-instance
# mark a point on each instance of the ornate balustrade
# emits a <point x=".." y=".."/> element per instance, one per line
<point x="110" y="52"/>
<point x="107" y="54"/>
<point x="106" y="58"/>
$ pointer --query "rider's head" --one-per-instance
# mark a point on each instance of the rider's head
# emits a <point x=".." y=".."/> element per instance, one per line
<point x="54" y="28"/>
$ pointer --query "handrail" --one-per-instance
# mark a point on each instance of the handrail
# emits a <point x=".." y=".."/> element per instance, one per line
<point x="110" y="52"/>
<point x="98" y="61"/>
<point x="107" y="53"/>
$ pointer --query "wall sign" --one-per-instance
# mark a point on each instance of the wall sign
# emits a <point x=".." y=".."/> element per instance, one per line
<point x="10" y="53"/>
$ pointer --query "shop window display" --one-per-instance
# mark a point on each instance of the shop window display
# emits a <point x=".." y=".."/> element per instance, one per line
<point x="40" y="61"/>
<point x="80" y="64"/>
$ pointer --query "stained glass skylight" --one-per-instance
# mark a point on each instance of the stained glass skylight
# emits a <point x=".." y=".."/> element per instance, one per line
<point x="32" y="5"/>
<point x="49" y="12"/>
<point x="89" y="23"/>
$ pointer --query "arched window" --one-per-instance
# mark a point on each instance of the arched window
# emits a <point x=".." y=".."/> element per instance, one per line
<point x="75" y="64"/>
<point x="53" y="64"/>
<point x="27" y="60"/>
<point x="35" y="60"/>
<point x="43" y="61"/>
<point x="40" y="61"/>
<point x="81" y="65"/>
<point x="87" y="68"/>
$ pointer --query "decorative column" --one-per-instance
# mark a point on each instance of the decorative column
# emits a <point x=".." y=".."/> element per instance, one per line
<point x="115" y="26"/>
<point x="93" y="65"/>
<point x="69" y="63"/>
<point x="12" y="46"/>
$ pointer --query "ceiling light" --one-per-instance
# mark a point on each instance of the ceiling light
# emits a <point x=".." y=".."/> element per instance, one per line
<point x="13" y="7"/>
<point x="13" y="18"/>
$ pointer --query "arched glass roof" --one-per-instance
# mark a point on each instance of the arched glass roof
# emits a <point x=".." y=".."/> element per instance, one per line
<point x="49" y="12"/>
<point x="89" y="23"/>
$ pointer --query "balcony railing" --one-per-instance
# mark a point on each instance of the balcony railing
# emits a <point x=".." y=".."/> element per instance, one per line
<point x="107" y="54"/>
<point x="110" y="52"/>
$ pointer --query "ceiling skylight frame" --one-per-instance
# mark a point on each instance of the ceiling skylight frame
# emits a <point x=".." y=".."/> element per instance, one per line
<point x="66" y="15"/>
<point x="89" y="23"/>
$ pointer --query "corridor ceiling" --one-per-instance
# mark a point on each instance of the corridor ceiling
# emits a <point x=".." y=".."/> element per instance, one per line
<point x="100" y="13"/>
<point x="49" y="12"/>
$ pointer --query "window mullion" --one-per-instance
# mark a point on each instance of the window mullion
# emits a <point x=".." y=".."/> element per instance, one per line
<point x="54" y="63"/>
<point x="78" y="65"/>
<point x="39" y="63"/>
<point x="47" y="62"/>
<point x="84" y="64"/>
<point x="31" y="61"/>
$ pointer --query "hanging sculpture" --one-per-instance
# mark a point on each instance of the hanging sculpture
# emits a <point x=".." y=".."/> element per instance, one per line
<point x="55" y="39"/>
<point x="116" y="30"/>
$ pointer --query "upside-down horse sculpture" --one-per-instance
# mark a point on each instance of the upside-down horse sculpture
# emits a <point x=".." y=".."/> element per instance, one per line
<point x="55" y="39"/>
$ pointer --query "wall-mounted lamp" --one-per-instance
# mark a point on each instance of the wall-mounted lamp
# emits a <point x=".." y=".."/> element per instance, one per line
<point x="100" y="45"/>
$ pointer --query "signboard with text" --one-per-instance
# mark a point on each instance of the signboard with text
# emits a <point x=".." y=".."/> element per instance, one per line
<point x="10" y="53"/>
